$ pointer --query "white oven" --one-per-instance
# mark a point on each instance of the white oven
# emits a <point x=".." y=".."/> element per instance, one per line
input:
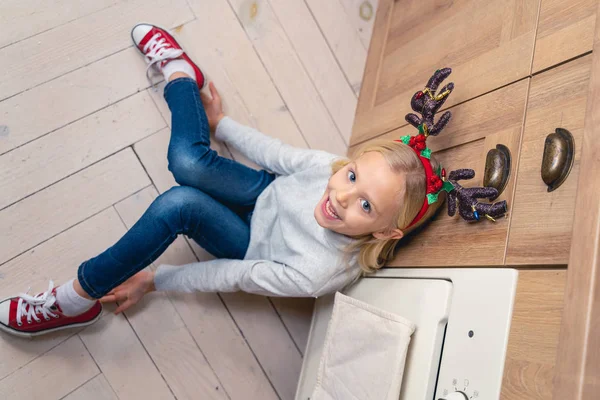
<point x="462" y="319"/>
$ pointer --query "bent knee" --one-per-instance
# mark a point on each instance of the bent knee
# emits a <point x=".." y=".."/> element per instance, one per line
<point x="188" y="169"/>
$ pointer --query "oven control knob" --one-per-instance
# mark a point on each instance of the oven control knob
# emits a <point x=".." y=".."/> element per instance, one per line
<point x="456" y="396"/>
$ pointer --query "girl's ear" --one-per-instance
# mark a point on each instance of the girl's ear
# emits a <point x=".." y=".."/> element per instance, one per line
<point x="393" y="234"/>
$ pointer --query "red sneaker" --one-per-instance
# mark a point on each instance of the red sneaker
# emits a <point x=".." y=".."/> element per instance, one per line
<point x="159" y="47"/>
<point x="27" y="316"/>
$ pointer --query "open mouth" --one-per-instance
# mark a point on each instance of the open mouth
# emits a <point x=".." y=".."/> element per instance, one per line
<point x="328" y="210"/>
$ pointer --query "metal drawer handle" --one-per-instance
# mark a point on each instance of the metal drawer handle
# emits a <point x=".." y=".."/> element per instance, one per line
<point x="497" y="168"/>
<point x="559" y="154"/>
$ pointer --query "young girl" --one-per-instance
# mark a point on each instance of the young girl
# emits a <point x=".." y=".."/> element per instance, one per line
<point x="306" y="225"/>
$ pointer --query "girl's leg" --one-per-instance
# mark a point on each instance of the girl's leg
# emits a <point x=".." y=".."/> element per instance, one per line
<point x="194" y="163"/>
<point x="181" y="209"/>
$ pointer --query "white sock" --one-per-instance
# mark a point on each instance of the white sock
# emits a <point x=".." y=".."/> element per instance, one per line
<point x="70" y="302"/>
<point x="178" y="65"/>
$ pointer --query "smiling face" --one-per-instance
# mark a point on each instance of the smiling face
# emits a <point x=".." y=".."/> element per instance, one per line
<point x="362" y="198"/>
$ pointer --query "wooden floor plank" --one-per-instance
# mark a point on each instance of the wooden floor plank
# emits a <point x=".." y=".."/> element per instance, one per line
<point x="296" y="314"/>
<point x="61" y="101"/>
<point x="288" y="73"/>
<point x="361" y="15"/>
<point x="56" y="259"/>
<point x="96" y="389"/>
<point x="238" y="62"/>
<point x="53" y="375"/>
<point x="342" y="38"/>
<point x="18" y="21"/>
<point x="205" y="318"/>
<point x="319" y="62"/>
<point x="81" y="42"/>
<point x="123" y="360"/>
<point x="38" y="164"/>
<point x="263" y="329"/>
<point x="72" y="200"/>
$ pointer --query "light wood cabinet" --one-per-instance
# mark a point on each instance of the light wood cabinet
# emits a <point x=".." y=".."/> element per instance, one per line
<point x="565" y="30"/>
<point x="541" y="221"/>
<point x="531" y="352"/>
<point x="488" y="44"/>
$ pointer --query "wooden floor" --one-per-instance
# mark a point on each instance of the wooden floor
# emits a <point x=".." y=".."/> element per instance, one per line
<point x="83" y="153"/>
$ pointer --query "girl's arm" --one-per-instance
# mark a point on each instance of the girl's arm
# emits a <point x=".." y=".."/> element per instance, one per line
<point x="268" y="152"/>
<point x="262" y="277"/>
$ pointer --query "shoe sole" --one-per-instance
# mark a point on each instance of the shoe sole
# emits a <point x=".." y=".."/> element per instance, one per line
<point x="176" y="42"/>
<point x="15" y="332"/>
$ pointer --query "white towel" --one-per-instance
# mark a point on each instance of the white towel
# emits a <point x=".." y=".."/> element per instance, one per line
<point x="364" y="353"/>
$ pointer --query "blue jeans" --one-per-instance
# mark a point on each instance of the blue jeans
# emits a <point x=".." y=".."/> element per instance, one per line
<point x="212" y="206"/>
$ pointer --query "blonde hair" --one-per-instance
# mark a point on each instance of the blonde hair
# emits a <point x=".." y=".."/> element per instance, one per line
<point x="374" y="253"/>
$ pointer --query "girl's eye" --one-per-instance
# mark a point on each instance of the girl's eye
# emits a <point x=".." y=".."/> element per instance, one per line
<point x="351" y="176"/>
<point x="365" y="205"/>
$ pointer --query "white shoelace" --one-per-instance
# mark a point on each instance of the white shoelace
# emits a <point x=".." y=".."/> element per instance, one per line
<point x="29" y="306"/>
<point x="159" y="50"/>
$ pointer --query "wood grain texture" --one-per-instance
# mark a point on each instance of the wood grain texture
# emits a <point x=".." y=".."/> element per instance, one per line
<point x="39" y="265"/>
<point x="42" y="379"/>
<point x="476" y="127"/>
<point x="95" y="389"/>
<point x="217" y="343"/>
<point x="541" y="222"/>
<point x="17" y="21"/>
<point x="498" y="53"/>
<point x="289" y="75"/>
<point x="82" y="92"/>
<point x="39" y="164"/>
<point x="577" y="374"/>
<point x="116" y="348"/>
<point x="318" y="61"/>
<point x="269" y="340"/>
<point x="48" y="212"/>
<point x="531" y="352"/>
<point x="296" y="314"/>
<point x="565" y="30"/>
<point x="342" y="37"/>
<point x="361" y="15"/>
<point x="38" y="59"/>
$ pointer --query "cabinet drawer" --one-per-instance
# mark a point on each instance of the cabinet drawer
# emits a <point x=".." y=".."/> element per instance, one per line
<point x="534" y="331"/>
<point x="541" y="221"/>
<point x="565" y="30"/>
<point x="476" y="127"/>
<point x="488" y="44"/>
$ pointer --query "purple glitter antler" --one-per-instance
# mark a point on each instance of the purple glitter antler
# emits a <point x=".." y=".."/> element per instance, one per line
<point x="468" y="206"/>
<point x="427" y="103"/>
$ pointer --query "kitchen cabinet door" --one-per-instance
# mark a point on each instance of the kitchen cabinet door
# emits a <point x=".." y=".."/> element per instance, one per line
<point x="476" y="127"/>
<point x="565" y="30"/>
<point x="488" y="44"/>
<point x="541" y="221"/>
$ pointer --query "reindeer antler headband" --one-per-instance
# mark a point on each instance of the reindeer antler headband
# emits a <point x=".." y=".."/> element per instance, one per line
<point x="427" y="103"/>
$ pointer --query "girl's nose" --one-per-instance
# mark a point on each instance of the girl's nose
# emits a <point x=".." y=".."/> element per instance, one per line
<point x="342" y="197"/>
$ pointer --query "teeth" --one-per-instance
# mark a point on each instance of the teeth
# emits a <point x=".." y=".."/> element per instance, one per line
<point x="330" y="209"/>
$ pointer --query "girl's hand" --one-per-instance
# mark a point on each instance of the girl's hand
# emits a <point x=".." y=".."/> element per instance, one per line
<point x="213" y="106"/>
<point x="131" y="291"/>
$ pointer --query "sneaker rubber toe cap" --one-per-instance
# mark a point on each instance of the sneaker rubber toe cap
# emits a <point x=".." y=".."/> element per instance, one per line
<point x="139" y="32"/>
<point x="4" y="312"/>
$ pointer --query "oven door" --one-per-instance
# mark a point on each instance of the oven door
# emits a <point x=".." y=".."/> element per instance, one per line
<point x="426" y="302"/>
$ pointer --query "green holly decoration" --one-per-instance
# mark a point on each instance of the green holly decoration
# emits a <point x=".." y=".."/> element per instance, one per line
<point x="426" y="153"/>
<point x="405" y="139"/>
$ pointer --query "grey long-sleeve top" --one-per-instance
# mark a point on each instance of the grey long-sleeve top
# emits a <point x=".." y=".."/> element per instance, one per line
<point x="289" y="253"/>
